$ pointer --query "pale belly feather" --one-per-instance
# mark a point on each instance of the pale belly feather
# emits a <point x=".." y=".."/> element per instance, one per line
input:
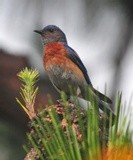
<point x="65" y="80"/>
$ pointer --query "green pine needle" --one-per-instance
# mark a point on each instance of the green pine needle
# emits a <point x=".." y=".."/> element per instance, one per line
<point x="28" y="90"/>
<point x="53" y="141"/>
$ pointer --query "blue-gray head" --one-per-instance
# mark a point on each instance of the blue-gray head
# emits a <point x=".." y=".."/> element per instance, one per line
<point x="52" y="33"/>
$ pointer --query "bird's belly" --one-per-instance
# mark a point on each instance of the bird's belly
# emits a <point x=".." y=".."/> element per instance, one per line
<point x="65" y="80"/>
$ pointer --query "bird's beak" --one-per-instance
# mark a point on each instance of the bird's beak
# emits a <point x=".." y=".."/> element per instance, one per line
<point x="38" y="31"/>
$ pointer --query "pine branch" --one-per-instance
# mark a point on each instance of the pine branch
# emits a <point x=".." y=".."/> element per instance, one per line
<point x="66" y="131"/>
<point x="28" y="90"/>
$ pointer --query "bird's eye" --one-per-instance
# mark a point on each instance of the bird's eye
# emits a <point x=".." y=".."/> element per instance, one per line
<point x="51" y="30"/>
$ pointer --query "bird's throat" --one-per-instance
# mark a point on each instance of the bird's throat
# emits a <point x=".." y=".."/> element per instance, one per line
<point x="54" y="49"/>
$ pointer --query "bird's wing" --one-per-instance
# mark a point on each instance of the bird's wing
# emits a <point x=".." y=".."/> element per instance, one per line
<point x="76" y="59"/>
<point x="102" y="96"/>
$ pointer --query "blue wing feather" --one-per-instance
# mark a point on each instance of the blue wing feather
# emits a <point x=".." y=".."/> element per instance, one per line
<point x="76" y="59"/>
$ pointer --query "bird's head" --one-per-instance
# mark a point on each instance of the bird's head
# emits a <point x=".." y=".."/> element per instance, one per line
<point x="52" y="33"/>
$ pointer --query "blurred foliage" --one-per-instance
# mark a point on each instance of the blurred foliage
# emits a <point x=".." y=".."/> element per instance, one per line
<point x="65" y="132"/>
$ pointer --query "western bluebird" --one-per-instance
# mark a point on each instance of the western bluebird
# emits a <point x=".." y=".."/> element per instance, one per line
<point x="65" y="68"/>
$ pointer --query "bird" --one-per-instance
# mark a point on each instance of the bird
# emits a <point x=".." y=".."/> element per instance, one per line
<point x="65" y="69"/>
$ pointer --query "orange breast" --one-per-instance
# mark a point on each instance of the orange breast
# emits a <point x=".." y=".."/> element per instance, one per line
<point x="55" y="54"/>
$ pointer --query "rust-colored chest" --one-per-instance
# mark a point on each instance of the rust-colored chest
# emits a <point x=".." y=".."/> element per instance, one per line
<point x="54" y="53"/>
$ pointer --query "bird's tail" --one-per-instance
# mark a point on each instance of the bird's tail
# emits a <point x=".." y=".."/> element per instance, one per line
<point x="104" y="104"/>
